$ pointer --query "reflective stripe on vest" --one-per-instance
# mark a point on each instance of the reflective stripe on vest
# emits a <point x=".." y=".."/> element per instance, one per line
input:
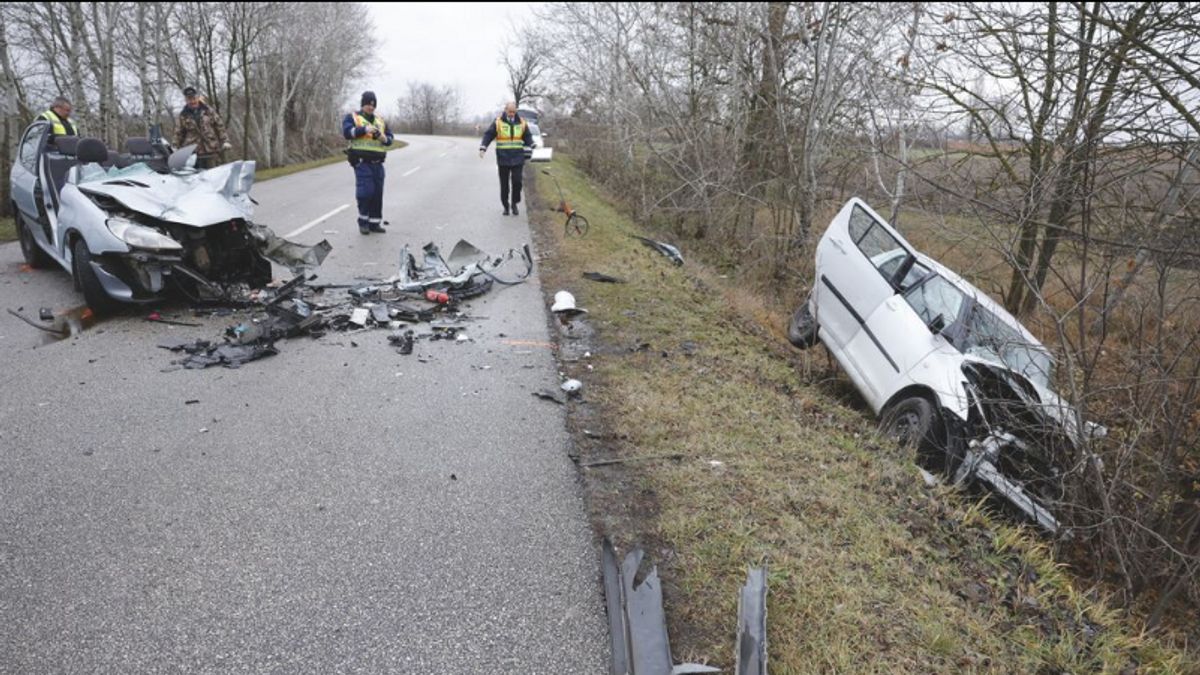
<point x="366" y="143"/>
<point x="509" y="137"/>
<point x="60" y="129"/>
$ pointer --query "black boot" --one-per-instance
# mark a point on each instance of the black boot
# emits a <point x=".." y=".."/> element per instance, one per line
<point x="516" y="211"/>
<point x="506" y="209"/>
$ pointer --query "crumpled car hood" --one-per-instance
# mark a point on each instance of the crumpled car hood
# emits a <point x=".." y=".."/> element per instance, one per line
<point x="1045" y="401"/>
<point x="198" y="199"/>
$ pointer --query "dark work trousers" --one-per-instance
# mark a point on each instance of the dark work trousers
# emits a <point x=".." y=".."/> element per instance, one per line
<point x="512" y="173"/>
<point x="368" y="190"/>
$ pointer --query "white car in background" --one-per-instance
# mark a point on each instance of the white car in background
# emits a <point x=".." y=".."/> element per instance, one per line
<point x="539" y="153"/>
<point x="944" y="366"/>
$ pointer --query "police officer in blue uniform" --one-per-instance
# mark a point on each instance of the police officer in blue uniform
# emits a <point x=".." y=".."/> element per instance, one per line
<point x="369" y="139"/>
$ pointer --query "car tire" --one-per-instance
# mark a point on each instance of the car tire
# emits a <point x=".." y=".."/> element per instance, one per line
<point x="912" y="423"/>
<point x="34" y="256"/>
<point x="100" y="302"/>
<point x="802" y="329"/>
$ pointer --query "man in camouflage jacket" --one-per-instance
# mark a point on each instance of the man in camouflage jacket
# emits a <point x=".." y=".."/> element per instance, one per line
<point x="201" y="125"/>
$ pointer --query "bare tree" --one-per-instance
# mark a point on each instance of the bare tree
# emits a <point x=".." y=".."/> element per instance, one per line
<point x="428" y="108"/>
<point x="526" y="60"/>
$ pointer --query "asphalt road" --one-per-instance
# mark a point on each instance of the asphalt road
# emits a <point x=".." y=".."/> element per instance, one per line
<point x="301" y="517"/>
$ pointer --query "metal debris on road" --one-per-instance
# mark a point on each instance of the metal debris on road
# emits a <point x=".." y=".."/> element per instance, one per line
<point x="295" y="308"/>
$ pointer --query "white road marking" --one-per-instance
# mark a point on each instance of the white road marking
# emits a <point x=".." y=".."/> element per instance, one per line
<point x="410" y="172"/>
<point x="318" y="221"/>
<point x="444" y="153"/>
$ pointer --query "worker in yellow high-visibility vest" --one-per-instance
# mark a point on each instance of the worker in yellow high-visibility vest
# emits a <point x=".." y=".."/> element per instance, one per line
<point x="59" y="117"/>
<point x="512" y="136"/>
<point x="369" y="139"/>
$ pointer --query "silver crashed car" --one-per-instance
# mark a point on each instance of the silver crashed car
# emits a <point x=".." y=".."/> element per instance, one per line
<point x="130" y="227"/>
<point x="944" y="366"/>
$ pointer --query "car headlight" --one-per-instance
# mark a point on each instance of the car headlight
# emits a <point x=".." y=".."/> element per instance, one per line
<point x="140" y="236"/>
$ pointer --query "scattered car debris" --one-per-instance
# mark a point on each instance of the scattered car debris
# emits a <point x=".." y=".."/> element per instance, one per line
<point x="467" y="273"/>
<point x="636" y="620"/>
<point x="572" y="387"/>
<point x="626" y="460"/>
<point x="751" y="652"/>
<point x="403" y="341"/>
<point x="602" y="278"/>
<point x="155" y="317"/>
<point x="52" y="331"/>
<point x="202" y="354"/>
<point x="548" y="396"/>
<point x="564" y="304"/>
<point x="46" y="314"/>
<point x="667" y="250"/>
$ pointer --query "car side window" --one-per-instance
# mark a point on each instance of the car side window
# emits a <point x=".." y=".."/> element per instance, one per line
<point x="29" y="148"/>
<point x="883" y="250"/>
<point x="936" y="297"/>
<point x="915" y="273"/>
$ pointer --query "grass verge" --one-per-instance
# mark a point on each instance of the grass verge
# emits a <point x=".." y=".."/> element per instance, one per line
<point x="8" y="229"/>
<point x="869" y="569"/>
<point x="267" y="174"/>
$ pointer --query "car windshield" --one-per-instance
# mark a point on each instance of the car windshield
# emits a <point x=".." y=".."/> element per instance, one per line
<point x="91" y="173"/>
<point x="989" y="337"/>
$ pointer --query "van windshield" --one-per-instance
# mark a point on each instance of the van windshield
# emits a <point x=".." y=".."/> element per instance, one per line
<point x="989" y="337"/>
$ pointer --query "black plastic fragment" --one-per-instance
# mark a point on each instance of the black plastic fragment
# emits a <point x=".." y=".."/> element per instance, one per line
<point x="602" y="278"/>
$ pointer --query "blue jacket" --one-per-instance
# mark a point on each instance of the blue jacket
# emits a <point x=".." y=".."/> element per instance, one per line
<point x="351" y="132"/>
<point x="512" y="157"/>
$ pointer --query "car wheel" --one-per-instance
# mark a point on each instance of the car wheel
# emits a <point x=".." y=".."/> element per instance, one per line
<point x="912" y="423"/>
<point x="93" y="292"/>
<point x="34" y="256"/>
<point x="802" y="329"/>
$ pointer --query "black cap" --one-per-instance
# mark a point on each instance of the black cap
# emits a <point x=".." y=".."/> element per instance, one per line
<point x="368" y="97"/>
<point x="189" y="91"/>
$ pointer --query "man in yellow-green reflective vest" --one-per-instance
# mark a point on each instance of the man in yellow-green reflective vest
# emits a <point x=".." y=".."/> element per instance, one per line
<point x="512" y="136"/>
<point x="59" y="117"/>
<point x="369" y="140"/>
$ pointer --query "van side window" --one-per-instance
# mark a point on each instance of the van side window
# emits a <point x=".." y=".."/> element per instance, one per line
<point x="881" y="248"/>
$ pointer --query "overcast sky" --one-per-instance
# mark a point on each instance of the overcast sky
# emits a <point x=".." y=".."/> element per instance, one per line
<point x="456" y="44"/>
